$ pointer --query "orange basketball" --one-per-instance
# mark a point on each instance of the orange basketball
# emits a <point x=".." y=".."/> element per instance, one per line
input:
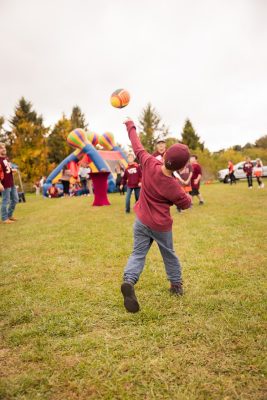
<point x="120" y="98"/>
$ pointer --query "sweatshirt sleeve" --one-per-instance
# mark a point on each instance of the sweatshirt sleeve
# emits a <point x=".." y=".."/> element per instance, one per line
<point x="1" y="173"/>
<point x="138" y="148"/>
<point x="139" y="173"/>
<point x="181" y="199"/>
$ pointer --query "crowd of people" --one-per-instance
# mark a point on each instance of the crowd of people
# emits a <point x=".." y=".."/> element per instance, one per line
<point x="167" y="177"/>
<point x="189" y="177"/>
<point x="128" y="180"/>
<point x="250" y="170"/>
<point x="69" y="186"/>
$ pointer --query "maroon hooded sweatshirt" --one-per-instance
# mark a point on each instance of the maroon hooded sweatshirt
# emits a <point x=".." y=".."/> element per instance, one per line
<point x="132" y="176"/>
<point x="158" y="192"/>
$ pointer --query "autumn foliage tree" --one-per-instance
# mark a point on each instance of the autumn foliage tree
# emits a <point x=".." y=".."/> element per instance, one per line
<point x="37" y="149"/>
<point x="28" y="141"/>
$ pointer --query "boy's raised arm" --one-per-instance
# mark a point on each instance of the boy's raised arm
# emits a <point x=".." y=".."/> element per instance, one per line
<point x="138" y="148"/>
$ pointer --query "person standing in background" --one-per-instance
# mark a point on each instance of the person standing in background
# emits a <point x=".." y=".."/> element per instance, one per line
<point x="119" y="175"/>
<point x="8" y="189"/>
<point x="160" y="149"/>
<point x="37" y="187"/>
<point x="42" y="182"/>
<point x="195" y="179"/>
<point x="84" y="175"/>
<point x="231" y="172"/>
<point x="65" y="179"/>
<point x="132" y="178"/>
<point x="258" y="172"/>
<point x="248" y="169"/>
<point x="184" y="178"/>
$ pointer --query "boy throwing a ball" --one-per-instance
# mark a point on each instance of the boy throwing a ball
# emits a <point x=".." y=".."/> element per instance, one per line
<point x="153" y="221"/>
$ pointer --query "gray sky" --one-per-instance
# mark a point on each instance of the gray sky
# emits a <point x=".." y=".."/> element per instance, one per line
<point x="200" y="59"/>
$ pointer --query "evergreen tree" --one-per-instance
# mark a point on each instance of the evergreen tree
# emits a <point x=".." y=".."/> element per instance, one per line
<point x="170" y="141"/>
<point x="77" y="119"/>
<point x="151" y="128"/>
<point x="237" y="147"/>
<point x="28" y="141"/>
<point x="190" y="138"/>
<point x="248" y="146"/>
<point x="58" y="147"/>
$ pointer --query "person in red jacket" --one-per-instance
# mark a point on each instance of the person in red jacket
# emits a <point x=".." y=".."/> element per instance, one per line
<point x="231" y="170"/>
<point x="7" y="187"/>
<point x="153" y="220"/>
<point x="132" y="178"/>
<point x="53" y="191"/>
<point x="248" y="169"/>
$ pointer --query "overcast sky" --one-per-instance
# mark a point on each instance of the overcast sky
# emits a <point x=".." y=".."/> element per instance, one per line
<point x="205" y="60"/>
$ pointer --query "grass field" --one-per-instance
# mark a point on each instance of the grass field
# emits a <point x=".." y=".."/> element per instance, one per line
<point x="66" y="334"/>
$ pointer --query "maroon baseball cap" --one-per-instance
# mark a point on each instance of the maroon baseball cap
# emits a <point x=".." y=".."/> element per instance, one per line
<point x="176" y="156"/>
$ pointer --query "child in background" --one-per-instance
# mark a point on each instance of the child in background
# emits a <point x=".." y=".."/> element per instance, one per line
<point x="37" y="187"/>
<point x="196" y="178"/>
<point x="132" y="178"/>
<point x="153" y="220"/>
<point x="53" y="192"/>
<point x="258" y="172"/>
<point x="184" y="178"/>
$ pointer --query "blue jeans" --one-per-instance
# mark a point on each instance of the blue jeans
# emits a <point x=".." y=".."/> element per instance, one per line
<point x="128" y="196"/>
<point x="143" y="239"/>
<point x="9" y="200"/>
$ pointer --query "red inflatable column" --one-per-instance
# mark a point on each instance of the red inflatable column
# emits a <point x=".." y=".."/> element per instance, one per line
<point x="100" y="183"/>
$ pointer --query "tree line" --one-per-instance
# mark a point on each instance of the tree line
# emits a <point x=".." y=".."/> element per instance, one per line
<point x="37" y="148"/>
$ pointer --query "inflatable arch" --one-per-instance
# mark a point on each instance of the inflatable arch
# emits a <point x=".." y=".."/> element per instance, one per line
<point x="101" y="162"/>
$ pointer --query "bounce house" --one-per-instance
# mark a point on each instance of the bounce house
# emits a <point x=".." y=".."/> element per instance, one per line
<point x="101" y="162"/>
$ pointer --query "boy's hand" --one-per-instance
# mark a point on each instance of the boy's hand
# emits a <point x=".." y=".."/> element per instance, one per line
<point x="1" y="187"/>
<point x="121" y="187"/>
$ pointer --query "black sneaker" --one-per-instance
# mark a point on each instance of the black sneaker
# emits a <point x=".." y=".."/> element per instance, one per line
<point x="201" y="203"/>
<point x="130" y="300"/>
<point x="177" y="289"/>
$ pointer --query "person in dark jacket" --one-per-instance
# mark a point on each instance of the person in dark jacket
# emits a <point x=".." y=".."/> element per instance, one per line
<point x="248" y="169"/>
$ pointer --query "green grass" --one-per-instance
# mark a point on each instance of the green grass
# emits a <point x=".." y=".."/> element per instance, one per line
<point x="66" y="334"/>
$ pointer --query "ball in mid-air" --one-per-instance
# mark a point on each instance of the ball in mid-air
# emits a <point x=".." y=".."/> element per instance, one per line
<point x="120" y="98"/>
